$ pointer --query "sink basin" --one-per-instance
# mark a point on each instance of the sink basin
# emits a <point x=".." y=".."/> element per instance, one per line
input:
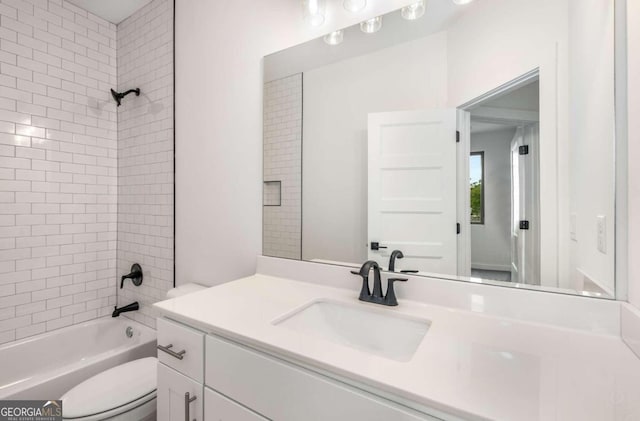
<point x="375" y="331"/>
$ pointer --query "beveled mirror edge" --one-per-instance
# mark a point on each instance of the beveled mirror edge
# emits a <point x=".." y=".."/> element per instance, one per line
<point x="621" y="165"/>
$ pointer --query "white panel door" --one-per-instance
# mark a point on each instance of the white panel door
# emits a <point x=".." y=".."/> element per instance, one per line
<point x="412" y="189"/>
<point x="517" y="212"/>
<point x="525" y="199"/>
<point x="172" y="400"/>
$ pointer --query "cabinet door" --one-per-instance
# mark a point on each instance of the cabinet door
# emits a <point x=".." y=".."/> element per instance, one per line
<point x="185" y="340"/>
<point x="172" y="399"/>
<point x="219" y="408"/>
<point x="284" y="392"/>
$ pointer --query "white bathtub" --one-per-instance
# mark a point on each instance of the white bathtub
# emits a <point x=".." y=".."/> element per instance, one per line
<point x="47" y="365"/>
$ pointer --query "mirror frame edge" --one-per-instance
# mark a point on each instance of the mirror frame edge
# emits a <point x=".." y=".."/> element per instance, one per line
<point x="621" y="245"/>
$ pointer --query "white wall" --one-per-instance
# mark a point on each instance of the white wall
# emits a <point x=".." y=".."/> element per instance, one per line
<point x="633" y="28"/>
<point x="57" y="167"/>
<point x="145" y="156"/>
<point x="219" y="49"/>
<point x="491" y="241"/>
<point x="337" y="101"/>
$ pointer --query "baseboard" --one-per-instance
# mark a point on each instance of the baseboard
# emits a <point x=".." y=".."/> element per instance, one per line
<point x="489" y="266"/>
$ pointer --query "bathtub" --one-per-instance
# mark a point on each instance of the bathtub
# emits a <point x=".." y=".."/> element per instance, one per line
<point x="47" y="365"/>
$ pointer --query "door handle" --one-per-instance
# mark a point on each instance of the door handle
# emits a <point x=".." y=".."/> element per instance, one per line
<point x="179" y="355"/>
<point x="376" y="246"/>
<point x="187" y="403"/>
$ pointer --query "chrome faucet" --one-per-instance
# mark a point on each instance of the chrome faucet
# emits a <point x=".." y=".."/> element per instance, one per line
<point x="376" y="297"/>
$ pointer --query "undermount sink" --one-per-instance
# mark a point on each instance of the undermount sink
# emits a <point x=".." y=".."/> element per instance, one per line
<point x="375" y="331"/>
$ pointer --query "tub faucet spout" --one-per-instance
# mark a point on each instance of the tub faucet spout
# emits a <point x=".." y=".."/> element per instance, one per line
<point x="131" y="307"/>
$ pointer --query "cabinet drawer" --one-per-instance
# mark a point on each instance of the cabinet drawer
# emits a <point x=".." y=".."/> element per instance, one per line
<point x="173" y="403"/>
<point x="219" y="408"/>
<point x="173" y="339"/>
<point x="285" y="392"/>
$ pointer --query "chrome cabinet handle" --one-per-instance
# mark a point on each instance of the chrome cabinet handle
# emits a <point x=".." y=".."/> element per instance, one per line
<point x="179" y="355"/>
<point x="187" y="402"/>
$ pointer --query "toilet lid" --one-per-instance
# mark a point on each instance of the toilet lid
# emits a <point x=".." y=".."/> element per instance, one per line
<point x="111" y="389"/>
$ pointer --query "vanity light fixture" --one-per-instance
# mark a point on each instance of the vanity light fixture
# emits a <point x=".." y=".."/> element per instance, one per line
<point x="414" y="11"/>
<point x="354" y="5"/>
<point x="372" y="25"/>
<point x="314" y="11"/>
<point x="461" y="2"/>
<point x="334" y="38"/>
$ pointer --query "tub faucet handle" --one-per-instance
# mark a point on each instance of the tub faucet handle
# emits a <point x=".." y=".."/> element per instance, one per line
<point x="135" y="275"/>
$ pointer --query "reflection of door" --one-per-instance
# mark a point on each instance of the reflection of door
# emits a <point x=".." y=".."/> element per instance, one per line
<point x="525" y="221"/>
<point x="412" y="188"/>
<point x="517" y="189"/>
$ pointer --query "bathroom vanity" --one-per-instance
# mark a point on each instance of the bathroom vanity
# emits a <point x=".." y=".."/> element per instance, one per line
<point x="267" y="347"/>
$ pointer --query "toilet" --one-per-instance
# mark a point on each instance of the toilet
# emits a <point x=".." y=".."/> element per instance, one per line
<point x="123" y="393"/>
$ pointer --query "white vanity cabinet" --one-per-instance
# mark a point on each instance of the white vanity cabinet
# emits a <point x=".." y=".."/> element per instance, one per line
<point x="219" y="408"/>
<point x="215" y="379"/>
<point x="180" y="372"/>
<point x="282" y="391"/>
<point x="178" y="396"/>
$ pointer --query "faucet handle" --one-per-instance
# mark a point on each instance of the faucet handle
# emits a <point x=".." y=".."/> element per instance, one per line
<point x="390" y="297"/>
<point x="364" y="291"/>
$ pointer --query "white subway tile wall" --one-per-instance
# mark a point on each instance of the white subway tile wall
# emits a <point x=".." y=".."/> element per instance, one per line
<point x="282" y="236"/>
<point x="58" y="167"/>
<point x="145" y="156"/>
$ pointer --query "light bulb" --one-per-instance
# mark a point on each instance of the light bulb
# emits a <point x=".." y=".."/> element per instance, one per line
<point x="354" y="5"/>
<point x="414" y="11"/>
<point x="314" y="11"/>
<point x="372" y="25"/>
<point x="334" y="38"/>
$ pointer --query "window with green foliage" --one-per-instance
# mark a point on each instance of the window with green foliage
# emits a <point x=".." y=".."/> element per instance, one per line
<point x="476" y="175"/>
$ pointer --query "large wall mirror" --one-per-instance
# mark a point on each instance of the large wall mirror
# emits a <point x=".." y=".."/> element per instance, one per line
<point x="478" y="140"/>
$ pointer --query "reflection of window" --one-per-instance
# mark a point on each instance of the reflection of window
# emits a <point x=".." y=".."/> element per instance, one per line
<point x="476" y="175"/>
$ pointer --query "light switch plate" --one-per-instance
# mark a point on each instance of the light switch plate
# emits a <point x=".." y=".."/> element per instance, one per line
<point x="602" y="233"/>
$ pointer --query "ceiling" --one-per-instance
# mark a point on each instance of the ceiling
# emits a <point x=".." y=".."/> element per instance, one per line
<point x="526" y="98"/>
<point x="115" y="11"/>
<point x="395" y="30"/>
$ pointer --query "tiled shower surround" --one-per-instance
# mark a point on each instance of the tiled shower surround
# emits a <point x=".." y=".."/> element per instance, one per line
<point x="145" y="155"/>
<point x="282" y="214"/>
<point x="59" y="167"/>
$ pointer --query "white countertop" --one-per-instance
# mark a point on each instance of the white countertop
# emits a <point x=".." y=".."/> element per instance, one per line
<point x="469" y="365"/>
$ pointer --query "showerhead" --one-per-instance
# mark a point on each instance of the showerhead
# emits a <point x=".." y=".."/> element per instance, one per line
<point x="117" y="96"/>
